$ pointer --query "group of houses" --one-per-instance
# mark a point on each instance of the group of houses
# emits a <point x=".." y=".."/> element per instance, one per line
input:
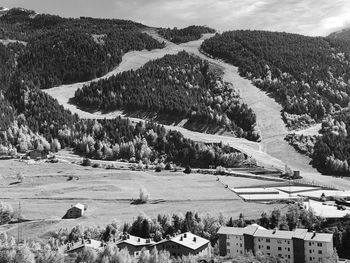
<point x="298" y="246"/>
<point x="181" y="245"/>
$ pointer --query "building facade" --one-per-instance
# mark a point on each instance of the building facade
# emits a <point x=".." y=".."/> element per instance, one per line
<point x="184" y="245"/>
<point x="134" y="244"/>
<point x="75" y="211"/>
<point x="298" y="246"/>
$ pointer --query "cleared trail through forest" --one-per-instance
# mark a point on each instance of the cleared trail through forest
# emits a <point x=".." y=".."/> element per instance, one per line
<point x="273" y="151"/>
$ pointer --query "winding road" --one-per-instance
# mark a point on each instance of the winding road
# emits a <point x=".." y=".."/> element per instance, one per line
<point x="272" y="152"/>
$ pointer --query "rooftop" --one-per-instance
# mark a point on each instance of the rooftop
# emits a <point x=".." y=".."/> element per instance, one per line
<point x="318" y="237"/>
<point x="249" y="230"/>
<point x="80" y="206"/>
<point x="188" y="240"/>
<point x="281" y="234"/>
<point x="134" y="241"/>
<point x="258" y="231"/>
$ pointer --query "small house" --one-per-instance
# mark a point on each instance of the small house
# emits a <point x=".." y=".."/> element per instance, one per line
<point x="75" y="211"/>
<point x="185" y="244"/>
<point x="134" y="244"/>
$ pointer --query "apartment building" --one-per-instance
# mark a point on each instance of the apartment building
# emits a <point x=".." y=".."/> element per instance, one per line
<point x="298" y="246"/>
<point x="318" y="246"/>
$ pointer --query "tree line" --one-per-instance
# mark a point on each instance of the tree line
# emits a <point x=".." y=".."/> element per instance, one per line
<point x="184" y="35"/>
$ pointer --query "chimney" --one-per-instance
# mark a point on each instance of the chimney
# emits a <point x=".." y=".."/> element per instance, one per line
<point x="181" y="238"/>
<point x="274" y="231"/>
<point x="168" y="237"/>
<point x="148" y="241"/>
<point x="313" y="234"/>
<point x="194" y="239"/>
<point x="185" y="235"/>
<point x="138" y="240"/>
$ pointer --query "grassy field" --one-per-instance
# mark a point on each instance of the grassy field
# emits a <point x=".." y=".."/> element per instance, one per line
<point x="46" y="194"/>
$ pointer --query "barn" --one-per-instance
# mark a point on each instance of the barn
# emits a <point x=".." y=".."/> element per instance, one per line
<point x="75" y="211"/>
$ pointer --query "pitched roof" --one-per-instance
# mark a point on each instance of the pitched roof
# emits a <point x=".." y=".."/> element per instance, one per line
<point x="79" y="206"/>
<point x="135" y="241"/>
<point x="238" y="231"/>
<point x="318" y="237"/>
<point x="274" y="234"/>
<point x="188" y="240"/>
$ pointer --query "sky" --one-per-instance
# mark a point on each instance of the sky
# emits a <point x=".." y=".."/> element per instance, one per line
<point x="307" y="17"/>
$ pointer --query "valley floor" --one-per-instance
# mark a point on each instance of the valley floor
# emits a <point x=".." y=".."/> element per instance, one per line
<point x="47" y="193"/>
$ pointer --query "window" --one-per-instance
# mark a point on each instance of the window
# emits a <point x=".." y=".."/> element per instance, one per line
<point x="259" y="246"/>
<point x="309" y="243"/>
<point x="240" y="238"/>
<point x="320" y="260"/>
<point x="310" y="251"/>
<point x="267" y="240"/>
<point x="288" y="249"/>
<point x="320" y="252"/>
<point x="288" y="242"/>
<point x="240" y="245"/>
<point x="228" y="251"/>
<point x="228" y="244"/>
<point x="319" y="244"/>
<point x="279" y="241"/>
<point x="310" y="258"/>
<point x="241" y="252"/>
<point x="279" y="248"/>
<point x="288" y="256"/>
<point x="267" y="247"/>
<point x="268" y="254"/>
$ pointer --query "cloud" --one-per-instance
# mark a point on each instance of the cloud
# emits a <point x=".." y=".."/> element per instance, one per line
<point x="309" y="17"/>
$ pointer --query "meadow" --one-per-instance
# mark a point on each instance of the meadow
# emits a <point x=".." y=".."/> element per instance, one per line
<point x="49" y="189"/>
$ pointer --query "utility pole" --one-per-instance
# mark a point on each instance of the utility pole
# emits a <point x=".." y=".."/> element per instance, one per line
<point x="19" y="224"/>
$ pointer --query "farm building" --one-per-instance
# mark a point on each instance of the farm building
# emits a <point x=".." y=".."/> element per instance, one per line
<point x="134" y="244"/>
<point x="75" y="211"/>
<point x="37" y="154"/>
<point x="185" y="244"/>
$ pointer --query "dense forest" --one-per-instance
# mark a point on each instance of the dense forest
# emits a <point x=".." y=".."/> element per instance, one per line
<point x="307" y="75"/>
<point x="31" y="119"/>
<point x="330" y="149"/>
<point x="62" y="51"/>
<point x="184" y="35"/>
<point x="180" y="86"/>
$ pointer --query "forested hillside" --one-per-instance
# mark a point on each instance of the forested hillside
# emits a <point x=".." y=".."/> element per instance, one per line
<point x="63" y="51"/>
<point x="176" y="85"/>
<point x="186" y="34"/>
<point x="343" y="34"/>
<point x="309" y="76"/>
<point x="60" y="51"/>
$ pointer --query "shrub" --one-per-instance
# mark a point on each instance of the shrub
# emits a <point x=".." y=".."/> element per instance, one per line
<point x="144" y="195"/>
<point x="187" y="170"/>
<point x="86" y="162"/>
